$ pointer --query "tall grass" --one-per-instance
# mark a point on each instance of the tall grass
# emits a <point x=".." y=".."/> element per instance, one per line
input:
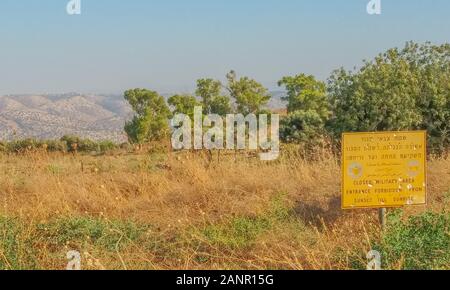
<point x="163" y="210"/>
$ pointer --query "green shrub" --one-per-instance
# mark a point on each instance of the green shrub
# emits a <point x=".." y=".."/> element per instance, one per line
<point x="15" y="246"/>
<point x="151" y="116"/>
<point x="241" y="232"/>
<point x="419" y="243"/>
<point x="381" y="96"/>
<point x="65" y="144"/>
<point x="3" y="147"/>
<point x="87" y="145"/>
<point x="107" y="146"/>
<point x="24" y="145"/>
<point x="401" y="89"/>
<point x="303" y="127"/>
<point x="101" y="233"/>
<point x="70" y="141"/>
<point x="308" y="109"/>
<point x="56" y="146"/>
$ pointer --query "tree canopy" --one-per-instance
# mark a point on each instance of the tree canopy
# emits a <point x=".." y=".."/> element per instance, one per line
<point x="400" y="89"/>
<point x="250" y="95"/>
<point x="308" y="109"/>
<point x="150" y="121"/>
<point x="403" y="89"/>
<point x="184" y="104"/>
<point x="213" y="101"/>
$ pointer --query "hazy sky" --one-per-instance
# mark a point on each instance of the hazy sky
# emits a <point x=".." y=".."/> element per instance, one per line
<point x="167" y="44"/>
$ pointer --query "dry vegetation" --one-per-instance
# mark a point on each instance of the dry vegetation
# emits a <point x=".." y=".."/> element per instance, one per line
<point x="182" y="211"/>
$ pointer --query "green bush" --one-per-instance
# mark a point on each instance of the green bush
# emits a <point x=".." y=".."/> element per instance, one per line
<point x="241" y="232"/>
<point x="24" y="145"/>
<point x="107" y="146"/>
<point x="305" y="127"/>
<point x="3" y="147"/>
<point x="70" y="141"/>
<point x="401" y="89"/>
<point x="150" y="121"/>
<point x="87" y="145"/>
<point x="381" y="96"/>
<point x="308" y="110"/>
<point x="419" y="243"/>
<point x="101" y="233"/>
<point x="16" y="246"/>
<point x="56" y="146"/>
<point x="432" y="64"/>
<point x="65" y="144"/>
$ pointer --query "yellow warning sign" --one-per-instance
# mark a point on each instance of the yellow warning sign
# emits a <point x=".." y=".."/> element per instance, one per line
<point x="384" y="169"/>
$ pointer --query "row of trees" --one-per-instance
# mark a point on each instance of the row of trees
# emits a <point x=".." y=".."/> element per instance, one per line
<point x="65" y="144"/>
<point x="150" y="122"/>
<point x="407" y="89"/>
<point x="401" y="89"/>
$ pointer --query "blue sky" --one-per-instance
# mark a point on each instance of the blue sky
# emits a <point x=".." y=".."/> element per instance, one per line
<point x="167" y="44"/>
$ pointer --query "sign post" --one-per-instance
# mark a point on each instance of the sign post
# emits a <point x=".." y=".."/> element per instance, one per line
<point x="383" y="170"/>
<point x="382" y="212"/>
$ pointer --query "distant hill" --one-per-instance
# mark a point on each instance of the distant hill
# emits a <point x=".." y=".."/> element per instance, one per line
<point x="276" y="103"/>
<point x="97" y="117"/>
<point x="52" y="116"/>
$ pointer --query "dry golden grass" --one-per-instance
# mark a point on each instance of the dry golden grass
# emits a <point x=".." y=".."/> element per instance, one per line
<point x="190" y="213"/>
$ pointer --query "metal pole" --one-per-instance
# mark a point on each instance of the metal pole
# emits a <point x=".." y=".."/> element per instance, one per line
<point x="382" y="216"/>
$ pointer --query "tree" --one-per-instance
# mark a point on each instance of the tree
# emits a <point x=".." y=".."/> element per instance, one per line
<point x="250" y="95"/>
<point x="305" y="127"/>
<point x="403" y="89"/>
<point x="210" y="91"/>
<point x="308" y="109"/>
<point x="432" y="65"/>
<point x="184" y="104"/>
<point x="220" y="105"/>
<point x="381" y="96"/>
<point x="305" y="93"/>
<point x="150" y="121"/>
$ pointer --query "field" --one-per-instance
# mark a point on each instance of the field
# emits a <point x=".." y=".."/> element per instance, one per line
<point x="160" y="210"/>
